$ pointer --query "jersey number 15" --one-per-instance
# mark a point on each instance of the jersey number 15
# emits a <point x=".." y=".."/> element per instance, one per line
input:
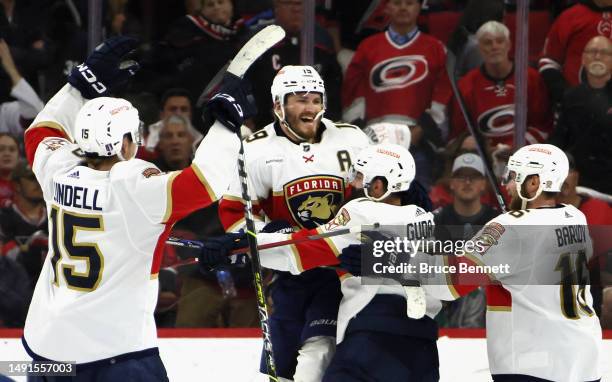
<point x="65" y="226"/>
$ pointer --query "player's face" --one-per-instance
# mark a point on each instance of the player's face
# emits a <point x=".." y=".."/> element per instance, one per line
<point x="467" y="184"/>
<point x="175" y="143"/>
<point x="494" y="48"/>
<point x="218" y="11"/>
<point x="289" y="14"/>
<point x="9" y="154"/>
<point x="403" y="13"/>
<point x="177" y="105"/>
<point x="597" y="57"/>
<point x="300" y="112"/>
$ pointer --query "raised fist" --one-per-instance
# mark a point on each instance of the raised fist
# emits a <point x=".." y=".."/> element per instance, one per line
<point x="105" y="68"/>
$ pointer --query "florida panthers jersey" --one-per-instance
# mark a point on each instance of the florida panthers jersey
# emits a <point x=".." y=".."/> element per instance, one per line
<point x="568" y="36"/>
<point x="98" y="288"/>
<point x="303" y="184"/>
<point x="396" y="81"/>
<point x="490" y="103"/>
<point x="310" y="254"/>
<point x="537" y="325"/>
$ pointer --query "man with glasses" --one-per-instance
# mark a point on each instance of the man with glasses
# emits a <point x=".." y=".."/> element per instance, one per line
<point x="586" y="116"/>
<point x="460" y="221"/>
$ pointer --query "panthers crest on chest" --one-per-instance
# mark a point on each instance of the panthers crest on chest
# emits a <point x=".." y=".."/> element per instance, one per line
<point x="314" y="200"/>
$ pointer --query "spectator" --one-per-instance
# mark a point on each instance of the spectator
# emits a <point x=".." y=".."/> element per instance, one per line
<point x="585" y="119"/>
<point x="560" y="64"/>
<point x="21" y="24"/>
<point x="488" y="92"/>
<point x="9" y="157"/>
<point x="461" y="220"/>
<point x="23" y="223"/>
<point x="463" y="43"/>
<point x="175" y="101"/>
<point x="175" y="144"/>
<point x="400" y="76"/>
<point x="289" y="15"/>
<point x="17" y="115"/>
<point x="196" y="47"/>
<point x="16" y="293"/>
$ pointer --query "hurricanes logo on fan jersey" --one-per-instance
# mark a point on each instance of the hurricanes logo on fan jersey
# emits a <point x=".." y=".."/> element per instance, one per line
<point x="398" y="72"/>
<point x="314" y="200"/>
<point x="497" y="122"/>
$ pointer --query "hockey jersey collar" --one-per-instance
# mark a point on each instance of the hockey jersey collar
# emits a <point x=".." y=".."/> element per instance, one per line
<point x="493" y="79"/>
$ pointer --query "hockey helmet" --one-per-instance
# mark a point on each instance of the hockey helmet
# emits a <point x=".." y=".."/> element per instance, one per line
<point x="547" y="161"/>
<point x="101" y="124"/>
<point x="388" y="160"/>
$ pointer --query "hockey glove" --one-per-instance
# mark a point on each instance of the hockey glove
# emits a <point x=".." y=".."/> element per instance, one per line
<point x="278" y="226"/>
<point x="350" y="259"/>
<point x="216" y="250"/>
<point x="105" y="68"/>
<point x="232" y="104"/>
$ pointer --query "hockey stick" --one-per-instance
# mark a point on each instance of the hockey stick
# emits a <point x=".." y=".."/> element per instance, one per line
<point x="451" y="62"/>
<point x="194" y="244"/>
<point x="248" y="54"/>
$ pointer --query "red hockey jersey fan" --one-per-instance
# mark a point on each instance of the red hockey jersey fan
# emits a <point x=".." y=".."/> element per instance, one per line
<point x="568" y="36"/>
<point x="490" y="103"/>
<point x="397" y="81"/>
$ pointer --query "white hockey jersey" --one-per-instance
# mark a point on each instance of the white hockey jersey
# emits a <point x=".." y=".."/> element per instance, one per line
<point x="306" y="255"/>
<point x="303" y="184"/>
<point x="98" y="288"/>
<point x="534" y="327"/>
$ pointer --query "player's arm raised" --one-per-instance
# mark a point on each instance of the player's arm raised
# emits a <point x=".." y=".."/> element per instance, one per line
<point x="104" y="69"/>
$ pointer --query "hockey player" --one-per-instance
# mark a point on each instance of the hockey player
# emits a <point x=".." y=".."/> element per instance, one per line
<point x="296" y="168"/>
<point x="109" y="218"/>
<point x="539" y="329"/>
<point x="372" y="317"/>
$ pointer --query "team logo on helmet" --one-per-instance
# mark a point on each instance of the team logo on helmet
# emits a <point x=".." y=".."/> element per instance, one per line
<point x="398" y="72"/>
<point x="314" y="200"/>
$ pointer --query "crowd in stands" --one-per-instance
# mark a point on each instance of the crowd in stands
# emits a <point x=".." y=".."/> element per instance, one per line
<point x="382" y="62"/>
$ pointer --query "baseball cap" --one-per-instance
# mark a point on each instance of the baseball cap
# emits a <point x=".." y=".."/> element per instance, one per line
<point x="469" y="160"/>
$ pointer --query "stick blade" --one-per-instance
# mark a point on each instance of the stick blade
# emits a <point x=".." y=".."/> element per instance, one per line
<point x="254" y="48"/>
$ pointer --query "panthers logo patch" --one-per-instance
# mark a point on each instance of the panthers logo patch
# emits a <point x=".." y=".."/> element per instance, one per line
<point x="314" y="200"/>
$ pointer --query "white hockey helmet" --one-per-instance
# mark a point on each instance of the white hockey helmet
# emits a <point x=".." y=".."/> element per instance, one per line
<point x="547" y="161"/>
<point x="101" y="124"/>
<point x="293" y="79"/>
<point x="388" y="160"/>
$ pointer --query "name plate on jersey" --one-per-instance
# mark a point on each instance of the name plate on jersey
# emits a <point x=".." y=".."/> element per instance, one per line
<point x="314" y="200"/>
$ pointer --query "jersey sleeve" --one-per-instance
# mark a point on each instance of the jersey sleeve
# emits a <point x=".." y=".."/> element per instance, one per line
<point x="309" y="254"/>
<point x="53" y="154"/>
<point x="259" y="178"/>
<point x="553" y="57"/>
<point x="498" y="246"/>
